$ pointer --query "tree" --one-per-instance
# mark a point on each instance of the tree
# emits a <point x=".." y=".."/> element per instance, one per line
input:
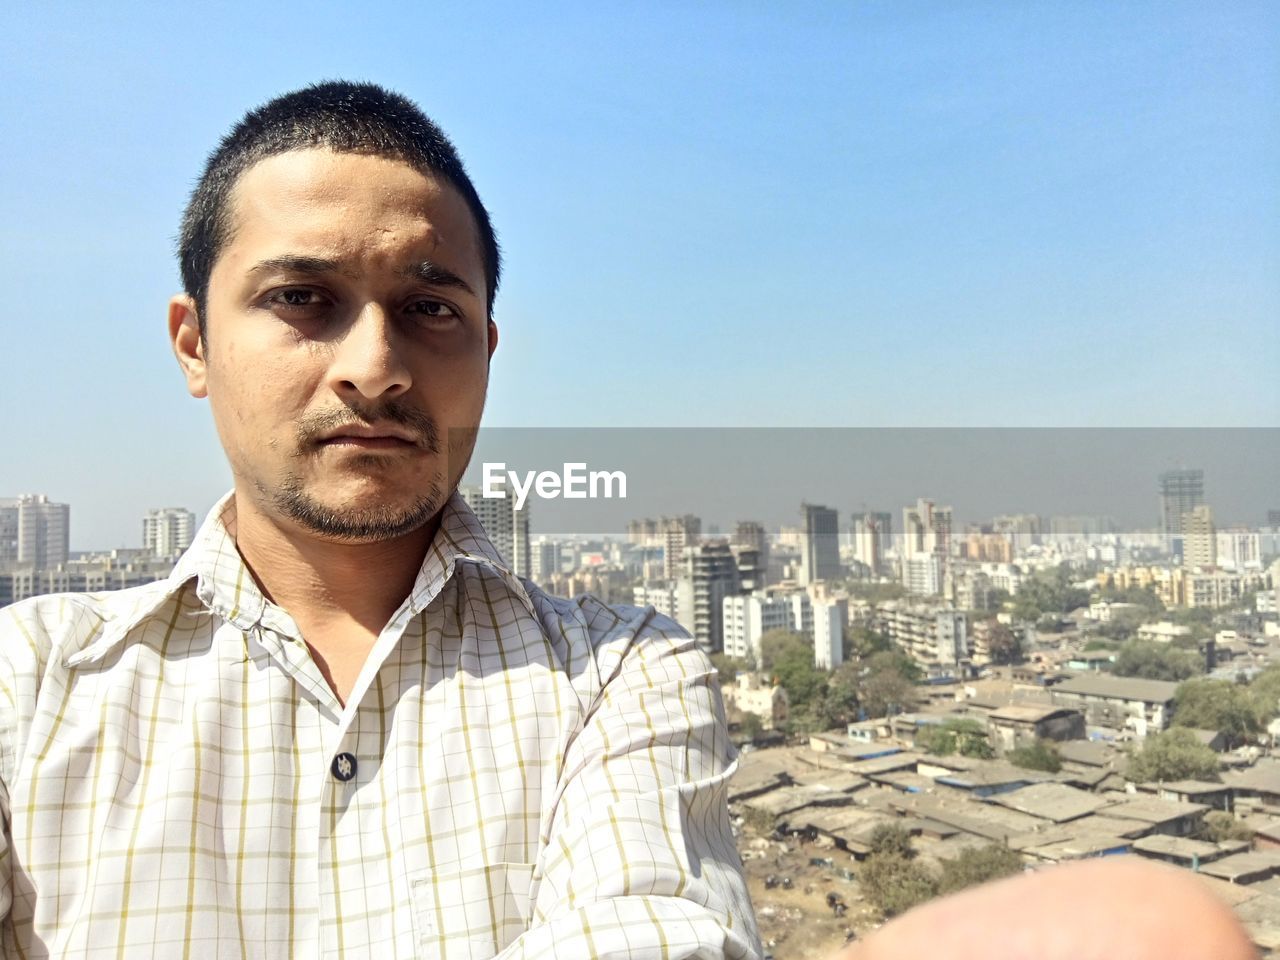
<point x="751" y="726"/>
<point x="895" y="661"/>
<point x="1048" y="592"/>
<point x="978" y="865"/>
<point x="887" y="683"/>
<point x="1144" y="597"/>
<point x="775" y="645"/>
<point x="1173" y="755"/>
<point x="1216" y="705"/>
<point x="894" y="884"/>
<point x="1220" y="827"/>
<point x="1098" y="643"/>
<point x="1154" y="661"/>
<point x="1041" y="755"/>
<point x="957" y="735"/>
<point x="862" y="643"/>
<point x="841" y="699"/>
<point x="893" y="839"/>
<point x="1264" y="692"/>
<point x="997" y="597"/>
<point x="729" y="667"/>
<point x="1003" y="644"/>
<point x="789" y="657"/>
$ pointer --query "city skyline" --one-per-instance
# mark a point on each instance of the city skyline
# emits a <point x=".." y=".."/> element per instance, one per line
<point x="913" y="527"/>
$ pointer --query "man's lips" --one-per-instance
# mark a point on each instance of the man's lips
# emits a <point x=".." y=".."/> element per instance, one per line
<point x="369" y="443"/>
<point x="369" y="438"/>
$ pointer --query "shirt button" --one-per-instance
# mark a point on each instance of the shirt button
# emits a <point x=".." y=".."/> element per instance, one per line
<point x="343" y="766"/>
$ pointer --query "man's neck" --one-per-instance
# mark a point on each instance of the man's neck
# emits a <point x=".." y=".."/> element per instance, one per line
<point x="324" y="581"/>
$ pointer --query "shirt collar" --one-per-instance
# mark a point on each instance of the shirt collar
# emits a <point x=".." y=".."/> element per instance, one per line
<point x="225" y="587"/>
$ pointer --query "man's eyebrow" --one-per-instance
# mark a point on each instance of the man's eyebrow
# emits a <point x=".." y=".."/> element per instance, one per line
<point x="436" y="275"/>
<point x="312" y="266"/>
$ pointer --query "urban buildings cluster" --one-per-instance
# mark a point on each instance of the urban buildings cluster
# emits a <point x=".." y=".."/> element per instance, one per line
<point x="36" y="557"/>
<point x="914" y="574"/>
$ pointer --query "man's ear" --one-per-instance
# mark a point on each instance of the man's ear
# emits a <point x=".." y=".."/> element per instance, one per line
<point x="188" y="345"/>
<point x="493" y="338"/>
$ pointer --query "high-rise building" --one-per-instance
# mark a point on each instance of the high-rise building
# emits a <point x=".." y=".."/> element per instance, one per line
<point x="1022" y="530"/>
<point x="642" y="533"/>
<point x="745" y="619"/>
<point x="828" y="635"/>
<point x="546" y="560"/>
<point x="34" y="531"/>
<point x="935" y="637"/>
<point x="923" y="574"/>
<point x="872" y="539"/>
<point x="988" y="547"/>
<point x="663" y="597"/>
<point x="752" y="574"/>
<point x="819" y="544"/>
<point x="677" y="533"/>
<point x="8" y="534"/>
<point x="168" y="531"/>
<point x="1181" y="491"/>
<point x="926" y="529"/>
<point x="1240" y="548"/>
<point x="1199" y="539"/>
<point x="709" y="575"/>
<point x="507" y="527"/>
<point x="752" y="535"/>
<point x="1273" y="519"/>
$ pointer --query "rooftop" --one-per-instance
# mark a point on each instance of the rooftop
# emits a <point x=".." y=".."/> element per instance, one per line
<point x="1077" y="848"/>
<point x="786" y="800"/>
<point x="1154" y="810"/>
<point x="1183" y="848"/>
<point x="1029" y="712"/>
<point x="1244" y="867"/>
<point x="992" y="773"/>
<point x="1262" y="777"/>
<point x="1188" y="787"/>
<point x="1092" y="753"/>
<point x="1119" y="688"/>
<point x="1054" y="802"/>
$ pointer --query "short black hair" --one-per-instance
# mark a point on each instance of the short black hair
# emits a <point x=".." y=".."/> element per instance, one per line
<point x="340" y="116"/>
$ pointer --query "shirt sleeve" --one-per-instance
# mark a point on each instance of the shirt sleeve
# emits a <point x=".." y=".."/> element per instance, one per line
<point x="640" y="859"/>
<point x="6" y="858"/>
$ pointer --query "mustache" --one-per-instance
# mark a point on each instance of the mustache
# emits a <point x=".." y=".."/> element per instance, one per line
<point x="310" y="426"/>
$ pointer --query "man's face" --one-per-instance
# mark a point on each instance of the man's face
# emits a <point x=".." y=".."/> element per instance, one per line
<point x="347" y="342"/>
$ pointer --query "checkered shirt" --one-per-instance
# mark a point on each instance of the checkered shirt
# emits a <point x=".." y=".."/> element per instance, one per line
<point x="513" y="774"/>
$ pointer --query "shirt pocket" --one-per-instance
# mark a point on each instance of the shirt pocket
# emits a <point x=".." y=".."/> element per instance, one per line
<point x="470" y="914"/>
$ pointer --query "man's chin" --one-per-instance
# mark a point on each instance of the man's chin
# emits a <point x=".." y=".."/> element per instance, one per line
<point x="362" y="518"/>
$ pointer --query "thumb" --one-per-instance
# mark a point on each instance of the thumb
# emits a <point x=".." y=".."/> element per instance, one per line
<point x="1097" y="910"/>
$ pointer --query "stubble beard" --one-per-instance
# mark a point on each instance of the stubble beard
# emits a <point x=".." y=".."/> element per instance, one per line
<point x="354" y="524"/>
<point x="357" y="524"/>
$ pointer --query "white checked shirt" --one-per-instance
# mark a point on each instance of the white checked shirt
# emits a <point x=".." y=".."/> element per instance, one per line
<point x="513" y="774"/>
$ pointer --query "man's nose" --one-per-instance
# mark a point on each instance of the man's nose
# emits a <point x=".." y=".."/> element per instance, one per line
<point x="368" y="358"/>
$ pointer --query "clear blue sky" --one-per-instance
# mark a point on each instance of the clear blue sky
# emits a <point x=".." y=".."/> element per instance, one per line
<point x="791" y="214"/>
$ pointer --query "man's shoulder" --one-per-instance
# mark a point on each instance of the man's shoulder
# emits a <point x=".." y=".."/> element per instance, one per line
<point x="63" y="623"/>
<point x="603" y="619"/>
<point x="617" y="632"/>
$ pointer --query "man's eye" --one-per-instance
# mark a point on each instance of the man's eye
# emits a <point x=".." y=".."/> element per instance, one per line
<point x="297" y="298"/>
<point x="434" y="309"/>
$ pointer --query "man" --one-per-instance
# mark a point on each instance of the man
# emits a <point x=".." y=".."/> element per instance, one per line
<point x="341" y="727"/>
